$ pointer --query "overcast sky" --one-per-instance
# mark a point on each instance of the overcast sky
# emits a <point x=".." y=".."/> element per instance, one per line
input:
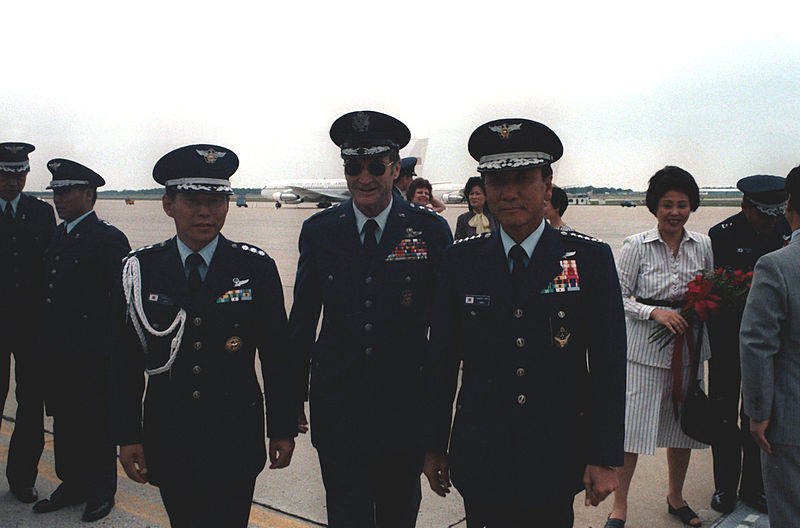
<point x="629" y="87"/>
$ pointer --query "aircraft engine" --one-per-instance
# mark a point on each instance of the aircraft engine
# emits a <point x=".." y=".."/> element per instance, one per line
<point x="453" y="197"/>
<point x="286" y="197"/>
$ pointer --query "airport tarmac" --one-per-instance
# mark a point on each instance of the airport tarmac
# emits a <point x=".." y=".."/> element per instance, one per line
<point x="294" y="497"/>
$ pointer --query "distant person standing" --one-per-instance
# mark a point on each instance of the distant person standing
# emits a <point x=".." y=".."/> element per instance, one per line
<point x="770" y="363"/>
<point x="26" y="226"/>
<point x="738" y="242"/>
<point x="554" y="209"/>
<point x="82" y="268"/>
<point x="197" y="308"/>
<point x="421" y="192"/>
<point x="405" y="177"/>
<point x="536" y="318"/>
<point x="370" y="264"/>
<point x="478" y="219"/>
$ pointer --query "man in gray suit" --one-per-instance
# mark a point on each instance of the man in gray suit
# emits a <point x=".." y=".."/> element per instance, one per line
<point x="770" y="360"/>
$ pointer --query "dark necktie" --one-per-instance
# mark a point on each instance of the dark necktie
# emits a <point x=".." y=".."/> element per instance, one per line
<point x="517" y="256"/>
<point x="370" y="243"/>
<point x="8" y="214"/>
<point x="193" y="262"/>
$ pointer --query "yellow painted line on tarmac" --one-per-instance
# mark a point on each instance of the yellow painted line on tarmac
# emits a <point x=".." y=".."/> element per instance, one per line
<point x="155" y="513"/>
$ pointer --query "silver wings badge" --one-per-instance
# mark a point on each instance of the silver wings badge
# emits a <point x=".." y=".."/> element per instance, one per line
<point x="211" y="155"/>
<point x="505" y="129"/>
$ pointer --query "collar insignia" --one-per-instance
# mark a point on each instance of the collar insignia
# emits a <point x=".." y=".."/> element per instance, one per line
<point x="505" y="129"/>
<point x="211" y="155"/>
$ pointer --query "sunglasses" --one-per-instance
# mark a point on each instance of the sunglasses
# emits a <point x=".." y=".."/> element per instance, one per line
<point x="375" y="167"/>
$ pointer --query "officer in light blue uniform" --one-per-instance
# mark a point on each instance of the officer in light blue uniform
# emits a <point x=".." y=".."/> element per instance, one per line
<point x="535" y="317"/>
<point x="26" y="226"/>
<point x="196" y="309"/>
<point x="738" y="242"/>
<point x="82" y="267"/>
<point x="369" y="263"/>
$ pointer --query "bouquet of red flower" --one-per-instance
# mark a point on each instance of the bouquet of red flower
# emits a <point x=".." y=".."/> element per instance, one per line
<point x="707" y="295"/>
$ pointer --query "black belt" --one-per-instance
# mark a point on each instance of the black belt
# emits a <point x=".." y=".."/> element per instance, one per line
<point x="666" y="304"/>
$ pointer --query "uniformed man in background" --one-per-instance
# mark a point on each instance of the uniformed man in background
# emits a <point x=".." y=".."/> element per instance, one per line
<point x="26" y="226"/>
<point x="370" y="263"/>
<point x="536" y="317"/>
<point x="406" y="175"/>
<point x="82" y="267"/>
<point x="738" y="242"/>
<point x="196" y="309"/>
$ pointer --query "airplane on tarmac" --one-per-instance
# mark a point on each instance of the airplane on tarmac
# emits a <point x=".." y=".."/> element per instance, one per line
<point x="325" y="191"/>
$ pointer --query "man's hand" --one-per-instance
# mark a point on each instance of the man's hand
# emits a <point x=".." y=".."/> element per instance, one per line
<point x="672" y="320"/>
<point x="302" y="421"/>
<point x="599" y="481"/>
<point x="759" y="431"/>
<point x="280" y="453"/>
<point x="438" y="474"/>
<point x="132" y="459"/>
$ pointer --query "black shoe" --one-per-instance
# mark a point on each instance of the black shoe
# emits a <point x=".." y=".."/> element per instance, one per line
<point x="97" y="510"/>
<point x="723" y="501"/>
<point x="757" y="501"/>
<point x="25" y="494"/>
<point x="59" y="499"/>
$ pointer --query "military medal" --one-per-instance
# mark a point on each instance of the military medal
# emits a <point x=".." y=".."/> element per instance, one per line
<point x="562" y="338"/>
<point x="233" y="344"/>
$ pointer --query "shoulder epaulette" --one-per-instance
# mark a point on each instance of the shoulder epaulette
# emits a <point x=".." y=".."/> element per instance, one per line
<point x="581" y="236"/>
<point x="725" y="225"/>
<point x="421" y="209"/>
<point x="248" y="248"/>
<point x="326" y="211"/>
<point x="472" y="238"/>
<point x="151" y="247"/>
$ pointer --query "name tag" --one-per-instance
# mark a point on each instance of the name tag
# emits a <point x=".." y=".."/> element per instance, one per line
<point x="477" y="300"/>
<point x="159" y="298"/>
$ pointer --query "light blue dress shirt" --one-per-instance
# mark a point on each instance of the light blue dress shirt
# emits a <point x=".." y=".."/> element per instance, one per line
<point x="207" y="253"/>
<point x="71" y="225"/>
<point x="528" y="245"/>
<point x="380" y="218"/>
<point x="14" y="206"/>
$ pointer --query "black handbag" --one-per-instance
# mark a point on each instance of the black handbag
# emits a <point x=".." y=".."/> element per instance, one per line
<point x="700" y="419"/>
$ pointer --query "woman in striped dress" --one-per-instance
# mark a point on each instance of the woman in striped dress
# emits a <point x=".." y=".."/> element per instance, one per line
<point x="654" y="269"/>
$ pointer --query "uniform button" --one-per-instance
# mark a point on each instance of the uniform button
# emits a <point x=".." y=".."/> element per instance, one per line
<point x="156" y="326"/>
<point x="520" y="342"/>
<point x="368" y="303"/>
<point x="196" y="369"/>
<point x="13" y="238"/>
<point x="368" y="327"/>
<point x="14" y="254"/>
<point x="368" y="280"/>
<point x="236" y="325"/>
<point x="520" y="372"/>
<point x="561" y="314"/>
<point x="75" y="261"/>
<point x="330" y="278"/>
<point x="57" y="258"/>
<point x="16" y="285"/>
<point x="518" y="313"/>
<point x="521" y="399"/>
<point x="85" y="316"/>
<point x="49" y="285"/>
<point x="472" y="313"/>
<point x="196" y="395"/>
<point x="53" y="271"/>
<point x="197" y="321"/>
<point x="198" y="345"/>
<point x="49" y="300"/>
<point x="368" y="351"/>
<point x="408" y="279"/>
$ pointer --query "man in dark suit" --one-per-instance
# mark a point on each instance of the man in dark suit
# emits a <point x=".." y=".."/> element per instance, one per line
<point x="371" y="263"/>
<point x="526" y="310"/>
<point x="770" y="363"/>
<point x="26" y="226"/>
<point x="738" y="242"/>
<point x="82" y="266"/>
<point x="196" y="308"/>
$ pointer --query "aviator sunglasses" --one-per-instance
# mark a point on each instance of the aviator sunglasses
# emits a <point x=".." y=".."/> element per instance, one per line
<point x="375" y="166"/>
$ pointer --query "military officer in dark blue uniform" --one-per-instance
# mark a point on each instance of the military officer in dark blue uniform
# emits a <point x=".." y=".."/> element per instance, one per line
<point x="196" y="309"/>
<point x="738" y="242"/>
<point x="370" y="264"/>
<point x="82" y="267"/>
<point x="404" y="177"/>
<point x="535" y="315"/>
<point x="26" y="226"/>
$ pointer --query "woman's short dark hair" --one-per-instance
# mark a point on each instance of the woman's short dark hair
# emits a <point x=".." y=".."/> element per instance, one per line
<point x="792" y="186"/>
<point x="671" y="178"/>
<point x="416" y="184"/>
<point x="475" y="181"/>
<point x="559" y="200"/>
